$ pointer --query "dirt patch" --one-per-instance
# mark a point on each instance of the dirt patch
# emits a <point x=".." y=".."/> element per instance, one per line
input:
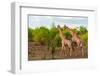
<point x="42" y="52"/>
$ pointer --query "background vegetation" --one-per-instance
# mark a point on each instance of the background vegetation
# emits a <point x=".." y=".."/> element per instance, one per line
<point x="51" y="38"/>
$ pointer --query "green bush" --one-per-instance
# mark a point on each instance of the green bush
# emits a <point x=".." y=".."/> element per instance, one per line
<point x="53" y="32"/>
<point x="84" y="38"/>
<point x="30" y="34"/>
<point x="82" y="30"/>
<point x="41" y="35"/>
<point x="51" y="37"/>
<point x="67" y="34"/>
<point x="57" y="41"/>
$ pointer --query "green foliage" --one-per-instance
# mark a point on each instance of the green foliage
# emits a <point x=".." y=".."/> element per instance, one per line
<point x="84" y="38"/>
<point x="51" y="37"/>
<point x="30" y="34"/>
<point x="53" y="32"/>
<point x="82" y="30"/>
<point x="41" y="35"/>
<point x="57" y="41"/>
<point x="67" y="34"/>
<point x="76" y="30"/>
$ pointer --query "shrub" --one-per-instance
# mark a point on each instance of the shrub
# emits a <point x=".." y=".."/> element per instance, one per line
<point x="67" y="34"/>
<point x="53" y="32"/>
<point x="84" y="38"/>
<point x="57" y="41"/>
<point x="41" y="35"/>
<point x="82" y="30"/>
<point x="51" y="37"/>
<point x="30" y="34"/>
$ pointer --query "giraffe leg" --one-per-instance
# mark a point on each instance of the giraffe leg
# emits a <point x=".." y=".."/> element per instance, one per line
<point x="70" y="51"/>
<point x="82" y="51"/>
<point x="78" y="45"/>
<point x="62" y="46"/>
<point x="62" y="49"/>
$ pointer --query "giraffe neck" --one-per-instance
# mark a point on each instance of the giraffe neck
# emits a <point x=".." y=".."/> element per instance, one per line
<point x="61" y="34"/>
<point x="74" y="34"/>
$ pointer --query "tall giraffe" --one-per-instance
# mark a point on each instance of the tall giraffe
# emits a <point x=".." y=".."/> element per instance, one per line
<point x="76" y="39"/>
<point x="64" y="41"/>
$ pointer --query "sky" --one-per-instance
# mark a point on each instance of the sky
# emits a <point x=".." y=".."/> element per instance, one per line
<point x="37" y="21"/>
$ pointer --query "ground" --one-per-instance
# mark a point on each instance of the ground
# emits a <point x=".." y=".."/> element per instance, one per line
<point x="41" y="52"/>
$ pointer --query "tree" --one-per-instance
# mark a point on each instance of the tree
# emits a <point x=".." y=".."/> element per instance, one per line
<point x="41" y="35"/>
<point x="82" y="30"/>
<point x="84" y="38"/>
<point x="67" y="34"/>
<point x="53" y="32"/>
<point x="30" y="34"/>
<point x="57" y="41"/>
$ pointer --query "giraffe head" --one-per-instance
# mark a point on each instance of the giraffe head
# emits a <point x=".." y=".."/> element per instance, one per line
<point x="66" y="27"/>
<point x="58" y="26"/>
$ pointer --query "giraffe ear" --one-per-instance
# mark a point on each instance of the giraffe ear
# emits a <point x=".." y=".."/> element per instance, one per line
<point x="64" y="26"/>
<point x="58" y="26"/>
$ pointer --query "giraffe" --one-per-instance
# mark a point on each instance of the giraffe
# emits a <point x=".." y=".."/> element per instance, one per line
<point x="64" y="40"/>
<point x="76" y="39"/>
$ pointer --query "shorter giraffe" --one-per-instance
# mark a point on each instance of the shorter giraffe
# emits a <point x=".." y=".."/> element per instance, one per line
<point x="76" y="39"/>
<point x="65" y="41"/>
